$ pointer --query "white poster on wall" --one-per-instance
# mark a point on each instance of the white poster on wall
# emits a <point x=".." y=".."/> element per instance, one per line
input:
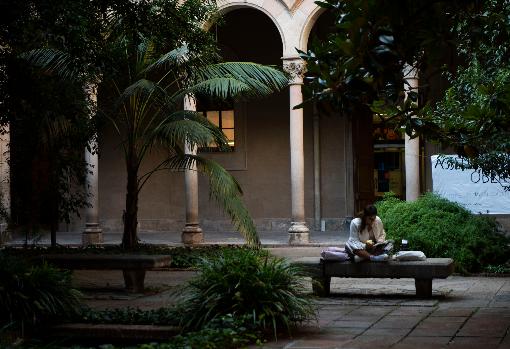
<point x="470" y="188"/>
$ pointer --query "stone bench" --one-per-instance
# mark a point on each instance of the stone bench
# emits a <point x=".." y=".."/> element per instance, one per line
<point x="133" y="266"/>
<point x="421" y="271"/>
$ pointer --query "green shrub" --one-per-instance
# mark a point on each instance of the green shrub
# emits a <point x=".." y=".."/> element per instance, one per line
<point x="226" y="332"/>
<point x="31" y="295"/>
<point x="245" y="282"/>
<point x="441" y="228"/>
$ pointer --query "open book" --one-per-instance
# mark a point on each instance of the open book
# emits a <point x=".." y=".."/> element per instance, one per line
<point x="376" y="244"/>
<point x="383" y="247"/>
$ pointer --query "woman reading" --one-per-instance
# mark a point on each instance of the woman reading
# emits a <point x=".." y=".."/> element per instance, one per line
<point x="367" y="237"/>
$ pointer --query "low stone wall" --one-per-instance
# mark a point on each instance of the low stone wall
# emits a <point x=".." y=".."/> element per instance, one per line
<point x="262" y="224"/>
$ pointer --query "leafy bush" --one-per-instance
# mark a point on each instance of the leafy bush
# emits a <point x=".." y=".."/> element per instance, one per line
<point x="226" y="332"/>
<point x="32" y="294"/>
<point x="246" y="283"/>
<point x="497" y="269"/>
<point x="441" y="228"/>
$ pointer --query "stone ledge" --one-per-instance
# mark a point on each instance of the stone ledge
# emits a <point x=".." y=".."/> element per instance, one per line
<point x="5" y="235"/>
<point x="107" y="261"/>
<point x="114" y="331"/>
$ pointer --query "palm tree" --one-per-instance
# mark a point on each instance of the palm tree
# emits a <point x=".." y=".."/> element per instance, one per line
<point x="147" y="113"/>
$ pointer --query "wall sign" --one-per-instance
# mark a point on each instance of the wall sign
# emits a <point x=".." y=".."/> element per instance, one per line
<point x="470" y="188"/>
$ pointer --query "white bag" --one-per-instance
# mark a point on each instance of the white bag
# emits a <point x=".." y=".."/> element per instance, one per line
<point x="410" y="256"/>
<point x="336" y="254"/>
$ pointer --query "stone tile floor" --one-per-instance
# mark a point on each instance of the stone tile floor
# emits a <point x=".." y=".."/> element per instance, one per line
<point x="464" y="312"/>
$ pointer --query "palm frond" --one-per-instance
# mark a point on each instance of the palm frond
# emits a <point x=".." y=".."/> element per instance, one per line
<point x="142" y="88"/>
<point x="177" y="132"/>
<point x="226" y="87"/>
<point x="225" y="190"/>
<point x="145" y="54"/>
<point x="189" y="126"/>
<point x="252" y="74"/>
<point x="52" y="61"/>
<point x="175" y="57"/>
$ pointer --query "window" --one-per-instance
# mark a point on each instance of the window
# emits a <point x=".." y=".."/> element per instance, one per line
<point x="224" y="119"/>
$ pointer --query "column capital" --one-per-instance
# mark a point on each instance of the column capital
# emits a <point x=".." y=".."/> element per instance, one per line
<point x="296" y="68"/>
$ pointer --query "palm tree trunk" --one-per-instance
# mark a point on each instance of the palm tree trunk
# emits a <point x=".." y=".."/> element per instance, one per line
<point x="53" y="227"/>
<point x="130" y="237"/>
<point x="54" y="201"/>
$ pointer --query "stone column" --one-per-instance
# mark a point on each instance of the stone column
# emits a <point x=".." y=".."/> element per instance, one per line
<point x="192" y="233"/>
<point x="349" y="173"/>
<point x="298" y="231"/>
<point x="412" y="146"/>
<point x="5" y="182"/>
<point x="316" y="169"/>
<point x="93" y="233"/>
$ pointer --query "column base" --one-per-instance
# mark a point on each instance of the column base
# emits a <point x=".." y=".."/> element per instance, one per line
<point x="299" y="233"/>
<point x="5" y="235"/>
<point x="192" y="234"/>
<point x="92" y="235"/>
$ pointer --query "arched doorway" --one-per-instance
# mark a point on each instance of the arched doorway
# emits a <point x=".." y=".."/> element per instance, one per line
<point x="260" y="159"/>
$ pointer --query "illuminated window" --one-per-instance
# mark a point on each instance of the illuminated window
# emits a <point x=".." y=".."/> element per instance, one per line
<point x="224" y="120"/>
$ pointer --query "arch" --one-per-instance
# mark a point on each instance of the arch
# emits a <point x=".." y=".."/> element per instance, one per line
<point x="227" y="7"/>
<point x="308" y="26"/>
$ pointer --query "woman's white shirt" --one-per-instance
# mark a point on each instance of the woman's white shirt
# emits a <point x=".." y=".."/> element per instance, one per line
<point x="357" y="237"/>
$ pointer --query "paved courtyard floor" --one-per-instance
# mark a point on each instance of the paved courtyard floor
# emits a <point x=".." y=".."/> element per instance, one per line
<point x="464" y="312"/>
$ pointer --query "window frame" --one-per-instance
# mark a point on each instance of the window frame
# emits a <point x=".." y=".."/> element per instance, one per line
<point x="215" y="149"/>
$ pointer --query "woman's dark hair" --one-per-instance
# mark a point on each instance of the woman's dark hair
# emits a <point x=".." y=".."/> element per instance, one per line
<point x="369" y="210"/>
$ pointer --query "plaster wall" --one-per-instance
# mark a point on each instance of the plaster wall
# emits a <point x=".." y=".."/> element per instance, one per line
<point x="265" y="178"/>
<point x="261" y="161"/>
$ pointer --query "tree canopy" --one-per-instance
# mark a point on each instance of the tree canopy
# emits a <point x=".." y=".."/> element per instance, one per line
<point x="49" y="119"/>
<point x="361" y="65"/>
<point x="474" y="114"/>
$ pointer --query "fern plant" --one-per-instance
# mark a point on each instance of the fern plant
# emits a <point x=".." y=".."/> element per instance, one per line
<point x="245" y="282"/>
<point x="31" y="295"/>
